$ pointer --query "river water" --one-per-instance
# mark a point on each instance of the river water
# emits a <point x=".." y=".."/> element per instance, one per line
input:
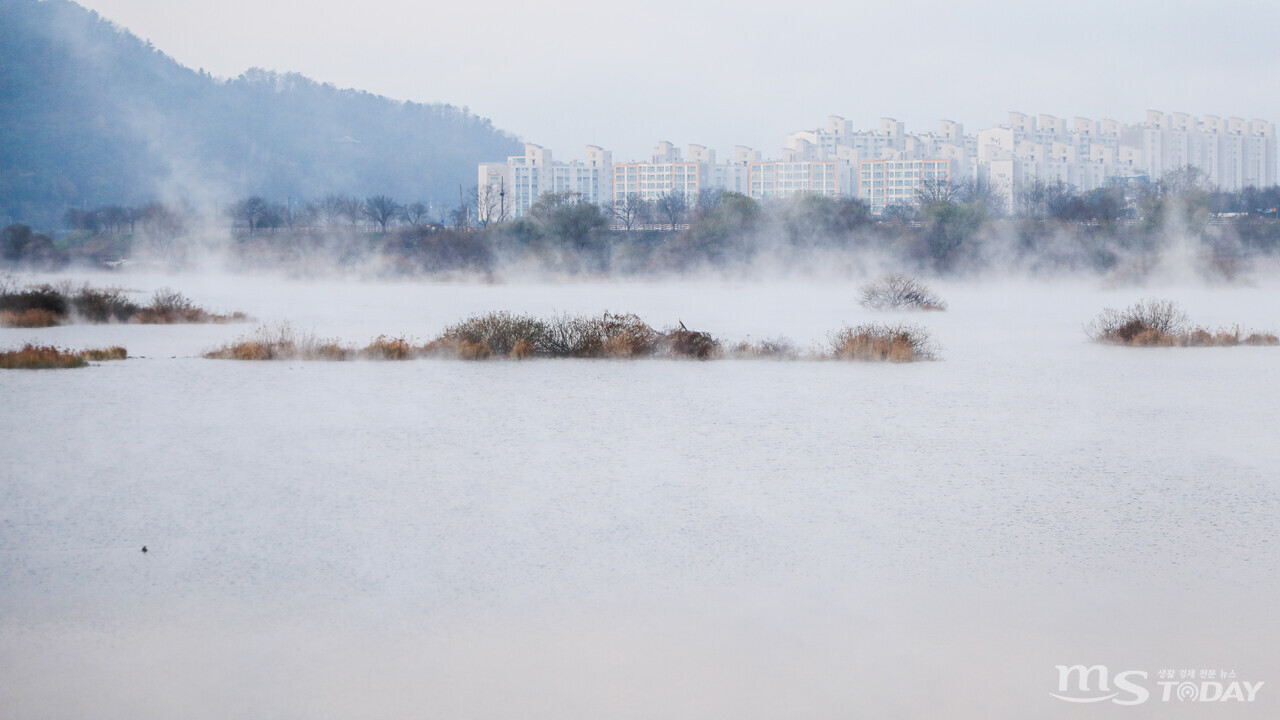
<point x="639" y="539"/>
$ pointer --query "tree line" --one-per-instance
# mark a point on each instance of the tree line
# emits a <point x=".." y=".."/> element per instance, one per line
<point x="952" y="228"/>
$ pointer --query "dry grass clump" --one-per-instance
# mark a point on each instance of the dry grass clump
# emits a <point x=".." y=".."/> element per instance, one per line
<point x="169" y="307"/>
<point x="281" y="343"/>
<point x="1150" y="322"/>
<point x="882" y="343"/>
<point x="898" y="291"/>
<point x="495" y="333"/>
<point x="115" y="352"/>
<point x="30" y="318"/>
<point x="1261" y="339"/>
<point x="502" y="334"/>
<point x="102" y="305"/>
<point x="45" y="357"/>
<point x="609" y="335"/>
<point x="41" y="306"/>
<point x="683" y="342"/>
<point x="41" y="357"/>
<point x="770" y="349"/>
<point x="48" y="305"/>
<point x="1161" y="323"/>
<point x="389" y="348"/>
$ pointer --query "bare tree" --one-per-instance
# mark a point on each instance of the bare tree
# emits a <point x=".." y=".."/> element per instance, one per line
<point x="629" y="210"/>
<point x="351" y="208"/>
<point x="492" y="204"/>
<point x="415" y="213"/>
<point x="1184" y="180"/>
<point x="331" y="206"/>
<point x="381" y="209"/>
<point x="934" y="189"/>
<point x="251" y="211"/>
<point x="708" y="200"/>
<point x="672" y="207"/>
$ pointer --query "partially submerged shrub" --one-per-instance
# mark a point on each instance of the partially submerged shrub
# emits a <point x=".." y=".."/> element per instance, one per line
<point x="1161" y="323"/>
<point x="773" y="349"/>
<point x="388" y="348"/>
<point x="897" y="291"/>
<point x="30" y="318"/>
<point x="1262" y="339"/>
<point x="115" y="352"/>
<point x="497" y="331"/>
<point x="45" y="357"/>
<point x="40" y="357"/>
<point x="1150" y="322"/>
<point x="281" y="343"/>
<point x="103" y="305"/>
<point x="53" y="304"/>
<point x="169" y="306"/>
<point x="609" y="335"/>
<point x="891" y="343"/>
<point x="683" y="342"/>
<point x="42" y="297"/>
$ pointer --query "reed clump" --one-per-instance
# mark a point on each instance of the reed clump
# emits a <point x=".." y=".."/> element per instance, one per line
<point x="899" y="343"/>
<point x="769" y="349"/>
<point x="384" y="347"/>
<point x="281" y="343"/>
<point x="46" y="357"/>
<point x="898" y="291"/>
<point x="30" y="318"/>
<point x="1162" y="323"/>
<point x="48" y="305"/>
<point x="115" y="352"/>
<point x="506" y="335"/>
<point x="169" y="307"/>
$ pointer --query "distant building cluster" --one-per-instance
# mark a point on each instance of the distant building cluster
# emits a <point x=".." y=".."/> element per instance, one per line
<point x="888" y="167"/>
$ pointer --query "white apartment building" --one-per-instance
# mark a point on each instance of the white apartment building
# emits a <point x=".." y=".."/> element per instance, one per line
<point x="883" y="184"/>
<point x="782" y="179"/>
<point x="666" y="173"/>
<point x="508" y="189"/>
<point x="833" y="160"/>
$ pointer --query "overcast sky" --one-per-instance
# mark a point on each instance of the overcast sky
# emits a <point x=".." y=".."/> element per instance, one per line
<point x="624" y="75"/>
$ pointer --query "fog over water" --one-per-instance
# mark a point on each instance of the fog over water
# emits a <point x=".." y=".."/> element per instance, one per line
<point x="638" y="539"/>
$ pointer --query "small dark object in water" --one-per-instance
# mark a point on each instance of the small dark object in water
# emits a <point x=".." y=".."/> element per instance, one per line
<point x="144" y="548"/>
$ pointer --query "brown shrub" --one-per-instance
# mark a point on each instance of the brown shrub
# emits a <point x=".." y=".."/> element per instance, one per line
<point x="1144" y="323"/>
<point x="880" y="343"/>
<point x="1262" y="339"/>
<point x="499" y="331"/>
<point x="522" y="349"/>
<point x="1150" y="337"/>
<point x="170" y="306"/>
<point x="40" y="357"/>
<point x="115" y="352"/>
<point x="474" y="350"/>
<point x="30" y="318"/>
<point x="683" y="342"/>
<point x="1199" y="337"/>
<point x="772" y="349"/>
<point x="385" y="348"/>
<point x="102" y="305"/>
<point x="1227" y="338"/>
<point x="281" y="343"/>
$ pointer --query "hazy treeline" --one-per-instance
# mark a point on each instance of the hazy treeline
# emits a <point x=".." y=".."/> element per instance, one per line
<point x="951" y="230"/>
<point x="90" y="115"/>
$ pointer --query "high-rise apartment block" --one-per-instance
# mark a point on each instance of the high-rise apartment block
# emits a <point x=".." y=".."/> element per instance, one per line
<point x="887" y="166"/>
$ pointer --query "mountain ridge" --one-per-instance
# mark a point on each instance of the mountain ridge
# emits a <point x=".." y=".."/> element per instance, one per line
<point x="90" y="115"/>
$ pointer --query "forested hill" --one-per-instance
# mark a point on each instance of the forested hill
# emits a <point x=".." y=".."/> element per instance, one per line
<point x="92" y="115"/>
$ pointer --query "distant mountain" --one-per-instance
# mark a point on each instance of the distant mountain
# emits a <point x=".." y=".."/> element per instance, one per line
<point x="92" y="115"/>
